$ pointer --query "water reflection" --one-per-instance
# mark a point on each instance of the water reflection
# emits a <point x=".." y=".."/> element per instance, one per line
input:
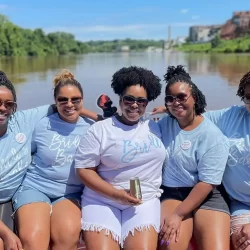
<point x="229" y="66"/>
<point x="19" y="68"/>
<point x="217" y="75"/>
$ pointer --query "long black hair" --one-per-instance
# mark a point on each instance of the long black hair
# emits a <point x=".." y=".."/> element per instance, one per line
<point x="178" y="74"/>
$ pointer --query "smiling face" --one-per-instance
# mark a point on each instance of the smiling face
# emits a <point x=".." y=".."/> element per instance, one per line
<point x="133" y="104"/>
<point x="7" y="106"/>
<point x="182" y="105"/>
<point x="69" y="103"/>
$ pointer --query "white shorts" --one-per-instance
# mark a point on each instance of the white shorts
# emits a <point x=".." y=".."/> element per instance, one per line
<point x="117" y="219"/>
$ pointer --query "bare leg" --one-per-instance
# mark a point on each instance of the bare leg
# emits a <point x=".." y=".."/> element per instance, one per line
<point x="33" y="225"/>
<point x="100" y="241"/>
<point x="186" y="230"/>
<point x="146" y="240"/>
<point x="212" y="230"/>
<point x="65" y="225"/>
<point x="1" y="244"/>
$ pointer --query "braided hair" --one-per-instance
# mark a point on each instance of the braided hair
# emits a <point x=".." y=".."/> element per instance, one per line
<point x="5" y="82"/>
<point x="178" y="74"/>
<point x="243" y="82"/>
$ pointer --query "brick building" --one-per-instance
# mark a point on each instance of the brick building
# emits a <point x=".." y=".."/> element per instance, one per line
<point x="237" y="26"/>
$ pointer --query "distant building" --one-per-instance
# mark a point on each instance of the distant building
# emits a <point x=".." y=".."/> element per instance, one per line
<point x="154" y="49"/>
<point x="124" y="48"/>
<point x="237" y="26"/>
<point x="180" y="40"/>
<point x="203" y="33"/>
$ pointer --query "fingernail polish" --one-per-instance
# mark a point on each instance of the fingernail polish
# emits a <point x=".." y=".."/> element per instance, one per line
<point x="162" y="242"/>
<point x="167" y="243"/>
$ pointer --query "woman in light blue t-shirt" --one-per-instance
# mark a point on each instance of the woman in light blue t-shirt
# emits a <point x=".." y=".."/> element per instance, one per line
<point x="234" y="122"/>
<point x="16" y="130"/>
<point x="48" y="201"/>
<point x="15" y="142"/>
<point x="193" y="201"/>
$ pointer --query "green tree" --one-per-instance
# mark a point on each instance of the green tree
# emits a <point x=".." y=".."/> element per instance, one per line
<point x="216" y="41"/>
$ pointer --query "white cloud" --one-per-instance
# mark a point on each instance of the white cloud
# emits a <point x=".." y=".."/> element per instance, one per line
<point x="109" y="32"/>
<point x="195" y="17"/>
<point x="3" y="7"/>
<point x="116" y="28"/>
<point x="184" y="11"/>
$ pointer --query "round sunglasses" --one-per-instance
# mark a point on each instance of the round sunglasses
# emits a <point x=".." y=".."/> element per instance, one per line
<point x="130" y="100"/>
<point x="246" y="99"/>
<point x="8" y="104"/>
<point x="181" y="98"/>
<point x="65" y="100"/>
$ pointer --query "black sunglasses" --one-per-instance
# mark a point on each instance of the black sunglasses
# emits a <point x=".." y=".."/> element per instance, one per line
<point x="181" y="98"/>
<point x="130" y="100"/>
<point x="8" y="104"/>
<point x="65" y="100"/>
<point x="246" y="99"/>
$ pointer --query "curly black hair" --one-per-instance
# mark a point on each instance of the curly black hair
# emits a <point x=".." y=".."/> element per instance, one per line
<point x="178" y="74"/>
<point x="5" y="82"/>
<point x="243" y="82"/>
<point x="130" y="76"/>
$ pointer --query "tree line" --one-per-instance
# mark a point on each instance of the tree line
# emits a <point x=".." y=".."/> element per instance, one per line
<point x="218" y="45"/>
<point x="17" y="41"/>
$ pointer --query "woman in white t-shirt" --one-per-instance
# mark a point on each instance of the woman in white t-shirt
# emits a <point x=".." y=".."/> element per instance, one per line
<point x="112" y="152"/>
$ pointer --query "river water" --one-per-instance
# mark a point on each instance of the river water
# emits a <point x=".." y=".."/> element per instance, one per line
<point x="217" y="75"/>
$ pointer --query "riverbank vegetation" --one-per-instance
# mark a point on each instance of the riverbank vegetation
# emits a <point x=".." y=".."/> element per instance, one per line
<point x="16" y="41"/>
<point x="238" y="45"/>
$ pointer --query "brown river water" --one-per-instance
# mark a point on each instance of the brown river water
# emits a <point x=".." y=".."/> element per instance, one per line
<point x="217" y="75"/>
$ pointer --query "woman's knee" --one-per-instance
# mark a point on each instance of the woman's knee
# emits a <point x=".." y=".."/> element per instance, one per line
<point x="145" y="238"/>
<point x="212" y="229"/>
<point x="67" y="235"/>
<point x="1" y="244"/>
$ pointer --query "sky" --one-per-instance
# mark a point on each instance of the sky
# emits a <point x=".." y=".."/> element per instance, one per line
<point x="116" y="19"/>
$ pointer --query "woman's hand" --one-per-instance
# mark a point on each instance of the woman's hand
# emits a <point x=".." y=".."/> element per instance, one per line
<point x="243" y="237"/>
<point x="170" y="227"/>
<point x="11" y="241"/>
<point x="124" y="197"/>
<point x="158" y="110"/>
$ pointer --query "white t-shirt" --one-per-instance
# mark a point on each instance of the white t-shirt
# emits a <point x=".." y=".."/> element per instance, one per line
<point x="121" y="152"/>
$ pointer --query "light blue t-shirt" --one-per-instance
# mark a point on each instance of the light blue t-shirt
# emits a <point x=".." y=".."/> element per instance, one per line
<point x="192" y="156"/>
<point x="234" y="122"/>
<point x="15" y="147"/>
<point x="54" y="143"/>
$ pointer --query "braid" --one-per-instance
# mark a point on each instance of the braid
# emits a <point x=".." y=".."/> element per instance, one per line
<point x="178" y="74"/>
<point x="243" y="82"/>
<point x="5" y="82"/>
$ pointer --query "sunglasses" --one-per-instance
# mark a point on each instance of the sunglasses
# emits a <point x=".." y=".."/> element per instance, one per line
<point x="130" y="100"/>
<point x="181" y="98"/>
<point x="8" y="104"/>
<point x="65" y="100"/>
<point x="246" y="99"/>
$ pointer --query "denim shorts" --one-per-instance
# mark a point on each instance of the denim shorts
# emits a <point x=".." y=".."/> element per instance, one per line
<point x="26" y="195"/>
<point x="217" y="199"/>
